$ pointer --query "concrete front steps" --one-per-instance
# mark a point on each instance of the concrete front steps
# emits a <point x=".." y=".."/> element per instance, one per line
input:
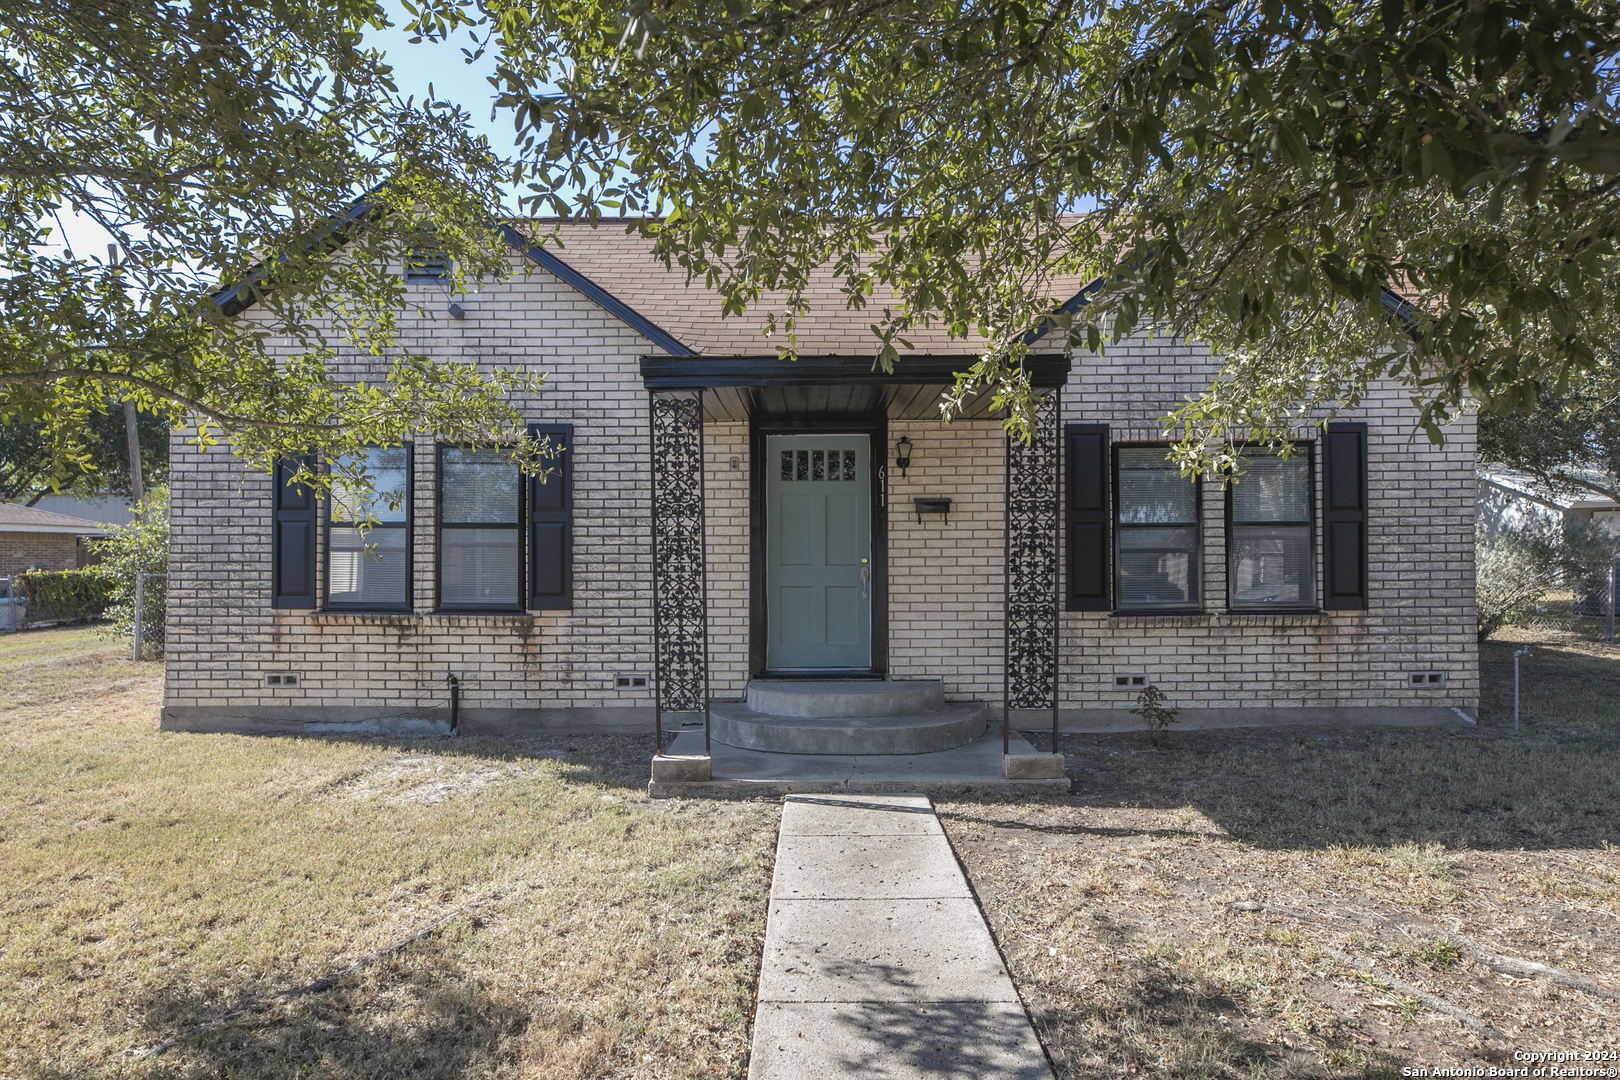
<point x="848" y="718"/>
<point x="855" y="735"/>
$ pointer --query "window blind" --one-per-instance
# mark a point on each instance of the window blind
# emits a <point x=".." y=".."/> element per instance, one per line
<point x="1270" y="560"/>
<point x="1157" y="532"/>
<point x="480" y="530"/>
<point x="368" y="538"/>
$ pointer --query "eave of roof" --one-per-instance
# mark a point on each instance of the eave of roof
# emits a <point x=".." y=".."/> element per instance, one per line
<point x="624" y="312"/>
<point x="1525" y="486"/>
<point x="54" y="529"/>
<point x="16" y="518"/>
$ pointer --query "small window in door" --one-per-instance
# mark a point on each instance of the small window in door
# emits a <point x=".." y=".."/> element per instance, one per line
<point x="818" y="465"/>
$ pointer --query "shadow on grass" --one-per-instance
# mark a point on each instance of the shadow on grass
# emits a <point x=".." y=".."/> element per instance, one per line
<point x="1159" y="1023"/>
<point x="414" y="1014"/>
<point x="620" y="762"/>
<point x="1304" y="789"/>
<point x="1551" y="784"/>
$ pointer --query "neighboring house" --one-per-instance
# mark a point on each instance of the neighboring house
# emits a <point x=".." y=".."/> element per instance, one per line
<point x="721" y="514"/>
<point x="1511" y="498"/>
<point x="105" y="509"/>
<point x="35" y="539"/>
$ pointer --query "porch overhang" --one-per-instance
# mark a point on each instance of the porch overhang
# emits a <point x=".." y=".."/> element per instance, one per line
<point x="738" y="388"/>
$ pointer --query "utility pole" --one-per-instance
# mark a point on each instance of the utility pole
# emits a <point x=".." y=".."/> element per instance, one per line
<point x="132" y="433"/>
<point x="131" y="425"/>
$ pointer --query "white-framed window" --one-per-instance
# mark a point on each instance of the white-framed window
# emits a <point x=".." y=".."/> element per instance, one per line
<point x="1156" y="532"/>
<point x="368" y="537"/>
<point x="1271" y="533"/>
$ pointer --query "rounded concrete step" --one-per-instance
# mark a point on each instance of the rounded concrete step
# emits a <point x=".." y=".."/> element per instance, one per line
<point x="946" y="728"/>
<point x="846" y="698"/>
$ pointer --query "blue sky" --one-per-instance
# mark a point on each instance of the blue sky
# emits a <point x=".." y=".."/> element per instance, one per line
<point x="442" y="65"/>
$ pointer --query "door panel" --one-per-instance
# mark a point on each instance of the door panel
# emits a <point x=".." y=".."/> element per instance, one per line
<point x="845" y="544"/>
<point x="818" y="540"/>
<point x="845" y="614"/>
<point x="798" y="523"/>
<point x="798" y="614"/>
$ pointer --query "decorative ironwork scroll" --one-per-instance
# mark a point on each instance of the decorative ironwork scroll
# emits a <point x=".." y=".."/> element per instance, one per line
<point x="1033" y="494"/>
<point x="680" y="595"/>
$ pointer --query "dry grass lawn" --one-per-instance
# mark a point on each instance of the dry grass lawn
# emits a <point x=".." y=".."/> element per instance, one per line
<point x="1323" y="903"/>
<point x="160" y="888"/>
<point x="1239" y="904"/>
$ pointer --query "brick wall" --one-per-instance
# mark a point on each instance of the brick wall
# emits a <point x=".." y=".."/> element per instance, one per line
<point x="224" y="637"/>
<point x="725" y="493"/>
<point x="1420" y="559"/>
<point x="945" y="575"/>
<point x="37" y="551"/>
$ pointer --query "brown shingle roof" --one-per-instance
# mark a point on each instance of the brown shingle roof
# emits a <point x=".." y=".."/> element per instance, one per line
<point x="621" y="264"/>
<point x="14" y="517"/>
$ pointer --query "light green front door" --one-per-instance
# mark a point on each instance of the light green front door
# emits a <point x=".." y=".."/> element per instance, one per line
<point x="818" y="552"/>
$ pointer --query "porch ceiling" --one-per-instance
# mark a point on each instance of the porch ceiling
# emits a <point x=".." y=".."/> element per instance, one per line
<point x="768" y="387"/>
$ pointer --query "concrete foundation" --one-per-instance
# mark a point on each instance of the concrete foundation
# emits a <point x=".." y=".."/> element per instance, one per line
<point x="1113" y="721"/>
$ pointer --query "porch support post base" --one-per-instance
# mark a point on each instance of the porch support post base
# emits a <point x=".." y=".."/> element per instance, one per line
<point x="681" y="769"/>
<point x="1032" y="766"/>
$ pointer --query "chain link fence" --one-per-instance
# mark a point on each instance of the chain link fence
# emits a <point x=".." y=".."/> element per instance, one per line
<point x="1587" y="611"/>
<point x="144" y="613"/>
<point x="12" y="607"/>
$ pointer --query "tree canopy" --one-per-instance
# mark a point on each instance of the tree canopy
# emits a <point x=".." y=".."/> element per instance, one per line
<point x="30" y="468"/>
<point x="253" y="146"/>
<point x="1324" y="191"/>
<point x="1570" y="441"/>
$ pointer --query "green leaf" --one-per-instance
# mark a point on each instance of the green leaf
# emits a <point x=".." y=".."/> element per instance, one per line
<point x="1393" y="13"/>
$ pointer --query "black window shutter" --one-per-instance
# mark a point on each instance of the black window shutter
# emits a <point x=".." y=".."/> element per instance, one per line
<point x="292" y="540"/>
<point x="1344" y="505"/>
<point x="1088" y="517"/>
<point x="551" y="524"/>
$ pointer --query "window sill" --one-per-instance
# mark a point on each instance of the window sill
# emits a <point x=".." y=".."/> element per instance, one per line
<point x="1157" y="618"/>
<point x="1226" y="618"/>
<point x="421" y="618"/>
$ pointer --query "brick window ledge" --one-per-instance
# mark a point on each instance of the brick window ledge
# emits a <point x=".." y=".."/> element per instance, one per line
<point x="422" y="618"/>
<point x="1132" y="619"/>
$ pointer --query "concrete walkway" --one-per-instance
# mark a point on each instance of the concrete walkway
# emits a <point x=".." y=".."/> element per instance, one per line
<point x="877" y="960"/>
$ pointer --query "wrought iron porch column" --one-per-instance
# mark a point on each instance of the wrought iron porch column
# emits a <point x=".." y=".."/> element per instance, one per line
<point x="1030" y="641"/>
<point x="680" y="560"/>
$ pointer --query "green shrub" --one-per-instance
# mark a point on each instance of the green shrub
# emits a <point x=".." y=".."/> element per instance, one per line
<point x="1520" y="565"/>
<point x="141" y="547"/>
<point x="64" y="595"/>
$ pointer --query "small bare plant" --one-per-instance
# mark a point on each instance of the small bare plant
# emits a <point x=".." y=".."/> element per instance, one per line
<point x="1440" y="954"/>
<point x="1152" y="709"/>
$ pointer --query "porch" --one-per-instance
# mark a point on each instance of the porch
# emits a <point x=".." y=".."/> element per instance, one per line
<point x="824" y="708"/>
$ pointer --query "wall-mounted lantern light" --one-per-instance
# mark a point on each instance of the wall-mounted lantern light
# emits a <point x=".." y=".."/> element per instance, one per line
<point x="902" y="455"/>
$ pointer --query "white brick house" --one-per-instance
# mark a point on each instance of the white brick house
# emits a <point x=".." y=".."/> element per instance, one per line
<point x="1337" y="587"/>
